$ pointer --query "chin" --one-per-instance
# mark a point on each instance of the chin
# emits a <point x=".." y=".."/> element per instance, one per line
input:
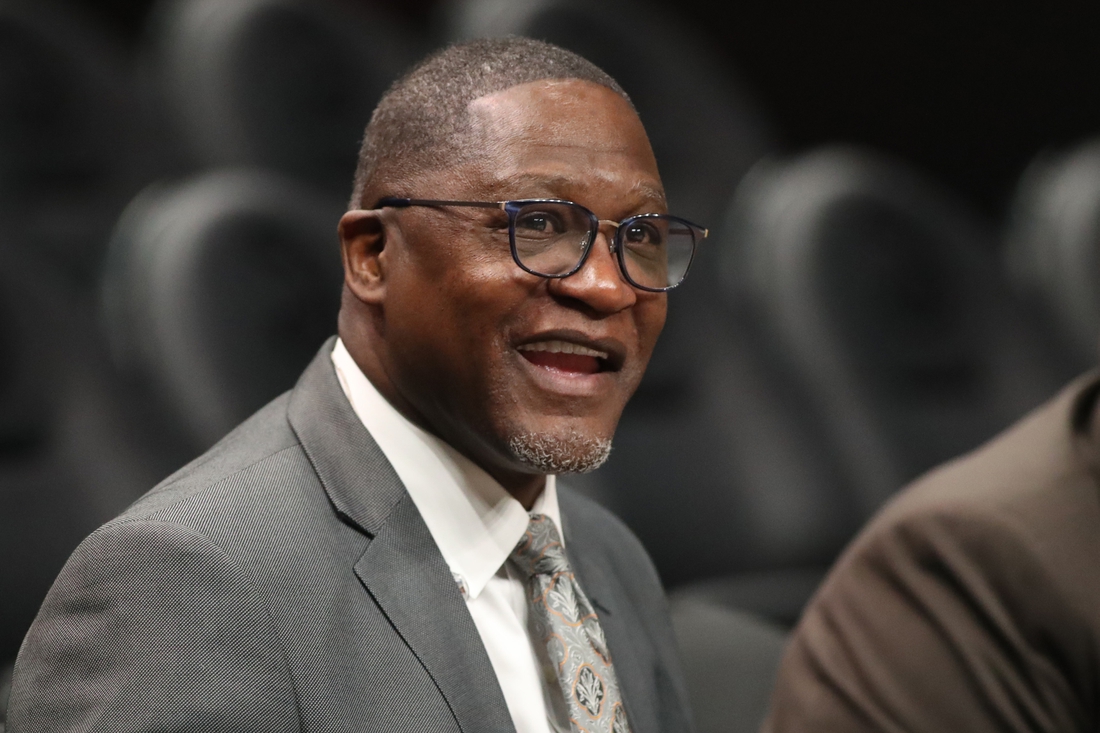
<point x="558" y="451"/>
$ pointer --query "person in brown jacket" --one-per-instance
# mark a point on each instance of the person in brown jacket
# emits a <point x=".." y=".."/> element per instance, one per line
<point x="971" y="602"/>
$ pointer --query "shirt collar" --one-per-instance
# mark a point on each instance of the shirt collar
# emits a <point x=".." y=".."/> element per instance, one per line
<point x="474" y="521"/>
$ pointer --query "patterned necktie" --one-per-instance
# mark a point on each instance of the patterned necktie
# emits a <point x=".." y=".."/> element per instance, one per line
<point x="564" y="619"/>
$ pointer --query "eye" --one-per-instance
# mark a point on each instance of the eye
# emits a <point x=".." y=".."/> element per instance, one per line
<point x="642" y="232"/>
<point x="541" y="223"/>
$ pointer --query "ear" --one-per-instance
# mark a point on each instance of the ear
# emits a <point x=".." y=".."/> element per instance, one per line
<point x="363" y="246"/>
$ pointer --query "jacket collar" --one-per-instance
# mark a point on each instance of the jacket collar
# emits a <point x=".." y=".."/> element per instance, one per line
<point x="355" y="474"/>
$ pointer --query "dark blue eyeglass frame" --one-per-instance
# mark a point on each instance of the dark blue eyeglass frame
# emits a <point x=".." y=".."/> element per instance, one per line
<point x="513" y="207"/>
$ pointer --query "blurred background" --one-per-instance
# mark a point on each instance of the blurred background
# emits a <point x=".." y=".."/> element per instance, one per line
<point x="904" y="205"/>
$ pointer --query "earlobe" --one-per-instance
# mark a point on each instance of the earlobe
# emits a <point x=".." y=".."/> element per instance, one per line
<point x="363" y="247"/>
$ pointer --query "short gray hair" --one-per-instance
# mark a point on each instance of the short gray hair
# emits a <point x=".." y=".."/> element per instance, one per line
<point x="419" y="124"/>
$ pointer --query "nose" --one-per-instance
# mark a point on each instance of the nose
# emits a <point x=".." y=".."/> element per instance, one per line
<point x="599" y="283"/>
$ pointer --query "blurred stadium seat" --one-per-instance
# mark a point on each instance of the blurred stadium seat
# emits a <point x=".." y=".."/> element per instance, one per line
<point x="68" y="458"/>
<point x="218" y="291"/>
<point x="75" y="136"/>
<point x="730" y="661"/>
<point x="1053" y="243"/>
<point x="282" y="84"/>
<point x="705" y="129"/>
<point x="888" y="299"/>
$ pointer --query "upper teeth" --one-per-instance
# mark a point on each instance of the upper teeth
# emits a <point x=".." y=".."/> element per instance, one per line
<point x="563" y="347"/>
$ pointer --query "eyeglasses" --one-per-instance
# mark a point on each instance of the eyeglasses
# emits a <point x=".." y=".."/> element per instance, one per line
<point x="552" y="238"/>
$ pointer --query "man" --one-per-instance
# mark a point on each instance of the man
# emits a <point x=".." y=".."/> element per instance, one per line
<point x="972" y="602"/>
<point x="382" y="548"/>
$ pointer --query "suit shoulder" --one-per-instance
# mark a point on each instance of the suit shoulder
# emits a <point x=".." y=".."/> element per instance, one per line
<point x="257" y="440"/>
<point x="138" y="600"/>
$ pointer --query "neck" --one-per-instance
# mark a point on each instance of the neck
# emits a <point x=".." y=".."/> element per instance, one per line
<point x="523" y="487"/>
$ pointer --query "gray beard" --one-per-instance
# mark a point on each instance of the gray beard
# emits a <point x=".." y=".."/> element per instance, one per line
<point x="570" y="453"/>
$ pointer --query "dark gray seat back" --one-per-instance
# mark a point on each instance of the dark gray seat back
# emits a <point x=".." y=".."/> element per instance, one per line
<point x="219" y="290"/>
<point x="887" y="299"/>
<point x="1053" y="243"/>
<point x="730" y="660"/>
<point x="282" y="84"/>
<point x="75" y="143"/>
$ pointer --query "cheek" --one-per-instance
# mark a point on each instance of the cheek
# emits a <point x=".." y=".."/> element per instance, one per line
<point x="451" y="315"/>
<point x="649" y="319"/>
<point x="480" y="294"/>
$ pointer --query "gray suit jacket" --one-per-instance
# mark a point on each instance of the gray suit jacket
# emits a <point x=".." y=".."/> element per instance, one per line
<point x="284" y="581"/>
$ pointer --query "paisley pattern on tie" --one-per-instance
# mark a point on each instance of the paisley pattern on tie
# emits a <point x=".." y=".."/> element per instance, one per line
<point x="563" y="618"/>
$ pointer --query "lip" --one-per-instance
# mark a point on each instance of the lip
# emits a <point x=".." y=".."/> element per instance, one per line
<point x="574" y="384"/>
<point x="615" y="349"/>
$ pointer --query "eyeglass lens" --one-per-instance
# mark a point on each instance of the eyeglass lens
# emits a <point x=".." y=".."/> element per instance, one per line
<point x="551" y="238"/>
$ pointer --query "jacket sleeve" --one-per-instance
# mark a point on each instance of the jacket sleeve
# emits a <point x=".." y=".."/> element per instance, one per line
<point x="152" y="627"/>
<point x="932" y="623"/>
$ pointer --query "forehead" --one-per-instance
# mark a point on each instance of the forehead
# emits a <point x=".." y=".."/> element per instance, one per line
<point x="562" y="138"/>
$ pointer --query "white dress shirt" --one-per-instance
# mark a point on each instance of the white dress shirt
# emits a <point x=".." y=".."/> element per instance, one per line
<point x="476" y="524"/>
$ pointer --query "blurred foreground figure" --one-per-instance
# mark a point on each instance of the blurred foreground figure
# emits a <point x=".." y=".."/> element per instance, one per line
<point x="384" y="547"/>
<point x="972" y="602"/>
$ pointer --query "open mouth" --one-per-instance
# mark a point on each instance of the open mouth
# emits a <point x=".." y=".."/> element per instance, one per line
<point x="566" y="356"/>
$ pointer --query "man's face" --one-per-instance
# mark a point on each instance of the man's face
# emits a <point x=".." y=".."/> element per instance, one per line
<point x="523" y="374"/>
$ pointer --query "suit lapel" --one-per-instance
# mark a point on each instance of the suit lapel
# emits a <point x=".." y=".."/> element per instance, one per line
<point x="359" y="481"/>
<point x="402" y="567"/>
<point x="405" y="573"/>
<point x="631" y="655"/>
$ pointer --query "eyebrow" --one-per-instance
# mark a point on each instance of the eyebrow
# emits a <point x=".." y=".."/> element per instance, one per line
<point x="648" y="190"/>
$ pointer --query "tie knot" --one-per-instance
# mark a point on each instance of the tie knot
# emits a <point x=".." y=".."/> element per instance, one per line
<point x="539" y="550"/>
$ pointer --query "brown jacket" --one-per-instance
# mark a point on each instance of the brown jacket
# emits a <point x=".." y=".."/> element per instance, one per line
<point x="972" y="601"/>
